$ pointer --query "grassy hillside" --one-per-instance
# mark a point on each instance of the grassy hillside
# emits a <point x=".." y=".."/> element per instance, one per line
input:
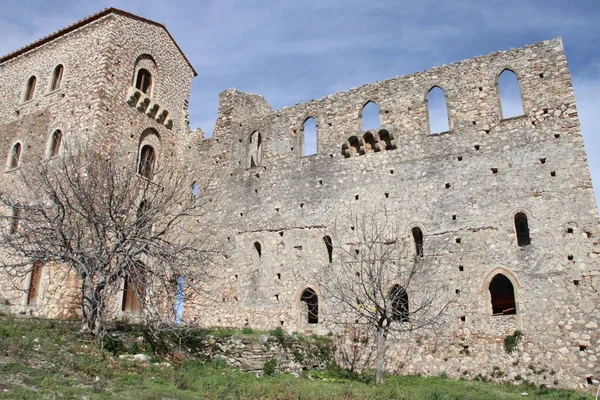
<point x="49" y="359"/>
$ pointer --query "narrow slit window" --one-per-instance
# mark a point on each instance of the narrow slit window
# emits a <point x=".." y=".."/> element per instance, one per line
<point x="195" y="191"/>
<point x="147" y="162"/>
<point x="55" y="141"/>
<point x="311" y="305"/>
<point x="522" y="229"/>
<point x="30" y="88"/>
<point x="56" y="77"/>
<point x="437" y="111"/>
<point x="255" y="150"/>
<point x="417" y="234"/>
<point x="180" y="298"/>
<point x="15" y="156"/>
<point x="309" y="137"/>
<point x="511" y="102"/>
<point x="143" y="81"/>
<point x="14" y="220"/>
<point x="257" y="250"/>
<point x="502" y="295"/>
<point x="370" y="116"/>
<point x="398" y="300"/>
<point x="329" y="247"/>
<point x="33" y="292"/>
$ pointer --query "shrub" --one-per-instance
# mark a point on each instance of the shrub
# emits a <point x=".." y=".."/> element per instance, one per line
<point x="270" y="367"/>
<point x="512" y="341"/>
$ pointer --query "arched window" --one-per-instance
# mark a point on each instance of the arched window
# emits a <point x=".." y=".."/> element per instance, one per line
<point x="147" y="162"/>
<point x="398" y="299"/>
<point x="354" y="145"/>
<point x="309" y="137"/>
<point x="30" y="88"/>
<point x="522" y="229"/>
<point x="370" y="117"/>
<point x="369" y="142"/>
<point x="14" y="220"/>
<point x="502" y="295"/>
<point x="256" y="247"/>
<point x="35" y="280"/>
<point x="15" y="156"/>
<point x="143" y="81"/>
<point x="255" y="150"/>
<point x="180" y="298"/>
<point x="311" y="302"/>
<point x="418" y="239"/>
<point x="511" y="103"/>
<point x="55" y="141"/>
<point x="387" y="138"/>
<point x="56" y="77"/>
<point x="329" y="247"/>
<point x="437" y="111"/>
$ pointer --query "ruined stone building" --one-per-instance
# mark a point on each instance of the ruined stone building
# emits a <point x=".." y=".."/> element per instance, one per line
<point x="505" y="205"/>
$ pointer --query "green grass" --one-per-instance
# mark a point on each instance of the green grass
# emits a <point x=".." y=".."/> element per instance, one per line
<point x="50" y="359"/>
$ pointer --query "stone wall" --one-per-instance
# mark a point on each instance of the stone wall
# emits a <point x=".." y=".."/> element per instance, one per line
<point x="462" y="188"/>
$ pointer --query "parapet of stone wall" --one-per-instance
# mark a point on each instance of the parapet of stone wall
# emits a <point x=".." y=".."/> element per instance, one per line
<point x="239" y="106"/>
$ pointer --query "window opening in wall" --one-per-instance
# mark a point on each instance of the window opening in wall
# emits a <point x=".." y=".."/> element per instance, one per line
<point x="147" y="161"/>
<point x="511" y="103"/>
<point x="56" y="77"/>
<point x="30" y="88"/>
<point x="143" y="81"/>
<point x="55" y="141"/>
<point x="329" y="246"/>
<point x="386" y="138"/>
<point x="14" y="221"/>
<point x="311" y="305"/>
<point x="502" y="295"/>
<point x="179" y="297"/>
<point x="257" y="250"/>
<point x="418" y="238"/>
<point x="370" y="116"/>
<point x="399" y="303"/>
<point x="255" y="150"/>
<point x="15" y="156"/>
<point x="195" y="191"/>
<point x="133" y="289"/>
<point x="354" y="145"/>
<point x="437" y="111"/>
<point x="309" y="137"/>
<point x="33" y="291"/>
<point x="369" y="142"/>
<point x="522" y="229"/>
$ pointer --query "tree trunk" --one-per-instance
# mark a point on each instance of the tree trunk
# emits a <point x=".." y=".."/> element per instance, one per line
<point x="93" y="307"/>
<point x="380" y="354"/>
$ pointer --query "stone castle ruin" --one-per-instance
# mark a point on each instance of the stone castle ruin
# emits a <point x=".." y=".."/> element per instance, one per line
<point x="504" y="205"/>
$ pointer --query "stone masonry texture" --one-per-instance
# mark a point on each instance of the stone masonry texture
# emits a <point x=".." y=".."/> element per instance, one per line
<point x="462" y="188"/>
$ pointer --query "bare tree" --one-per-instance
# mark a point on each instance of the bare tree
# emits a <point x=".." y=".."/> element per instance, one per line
<point x="91" y="214"/>
<point x="384" y="282"/>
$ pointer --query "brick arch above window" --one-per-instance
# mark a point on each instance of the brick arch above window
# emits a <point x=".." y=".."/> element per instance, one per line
<point x="146" y="74"/>
<point x="149" y="151"/>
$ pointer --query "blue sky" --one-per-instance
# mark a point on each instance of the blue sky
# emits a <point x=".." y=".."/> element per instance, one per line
<point x="291" y="51"/>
